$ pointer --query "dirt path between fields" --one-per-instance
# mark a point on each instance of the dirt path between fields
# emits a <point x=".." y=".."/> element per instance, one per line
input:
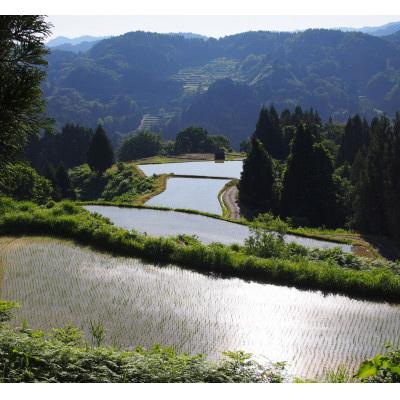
<point x="229" y="198"/>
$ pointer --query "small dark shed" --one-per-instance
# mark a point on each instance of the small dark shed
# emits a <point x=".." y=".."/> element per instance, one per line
<point x="219" y="155"/>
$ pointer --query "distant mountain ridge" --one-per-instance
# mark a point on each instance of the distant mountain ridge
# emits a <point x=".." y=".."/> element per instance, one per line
<point x="190" y="35"/>
<point x="59" y="40"/>
<point x="74" y="45"/>
<point x="126" y="80"/>
<point x="382" y="30"/>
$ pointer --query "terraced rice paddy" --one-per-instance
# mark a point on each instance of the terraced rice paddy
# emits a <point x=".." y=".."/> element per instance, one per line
<point x="198" y="79"/>
<point x="58" y="282"/>
<point x="227" y="169"/>
<point x="198" y="194"/>
<point x="208" y="230"/>
<point x="149" y="122"/>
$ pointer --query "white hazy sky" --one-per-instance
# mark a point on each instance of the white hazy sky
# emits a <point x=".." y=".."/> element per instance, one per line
<point x="215" y="26"/>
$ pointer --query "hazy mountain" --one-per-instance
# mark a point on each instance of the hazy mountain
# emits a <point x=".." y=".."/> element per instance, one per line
<point x="75" y="45"/>
<point x="168" y="82"/>
<point x="75" y="48"/>
<point x="382" y="30"/>
<point x="59" y="40"/>
<point x="394" y="37"/>
<point x="190" y="35"/>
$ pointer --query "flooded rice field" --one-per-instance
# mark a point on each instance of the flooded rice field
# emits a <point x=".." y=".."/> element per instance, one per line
<point x="227" y="169"/>
<point x="198" y="194"/>
<point x="208" y="230"/>
<point x="57" y="282"/>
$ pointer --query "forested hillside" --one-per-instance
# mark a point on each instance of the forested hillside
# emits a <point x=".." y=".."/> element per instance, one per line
<point x="168" y="82"/>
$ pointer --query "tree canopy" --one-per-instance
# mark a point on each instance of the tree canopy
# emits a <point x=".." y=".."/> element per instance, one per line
<point x="269" y="132"/>
<point x="100" y="154"/>
<point x="141" y="145"/>
<point x="356" y="135"/>
<point x="308" y="193"/>
<point x="22" y="69"/>
<point x="195" y="139"/>
<point x="70" y="147"/>
<point x="257" y="179"/>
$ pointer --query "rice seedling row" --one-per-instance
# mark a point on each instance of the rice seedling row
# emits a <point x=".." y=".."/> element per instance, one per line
<point x="137" y="303"/>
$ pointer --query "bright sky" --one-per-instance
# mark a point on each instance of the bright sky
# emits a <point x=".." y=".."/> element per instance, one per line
<point x="215" y="26"/>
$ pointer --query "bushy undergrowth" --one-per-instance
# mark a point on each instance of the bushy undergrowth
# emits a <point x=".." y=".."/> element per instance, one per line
<point x="31" y="357"/>
<point x="67" y="219"/>
<point x="62" y="356"/>
<point x="122" y="183"/>
<point x="267" y="240"/>
<point x="22" y="182"/>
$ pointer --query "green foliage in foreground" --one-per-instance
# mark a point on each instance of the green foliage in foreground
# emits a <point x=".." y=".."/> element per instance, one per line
<point x="6" y="308"/>
<point x="62" y="356"/>
<point x="68" y="220"/>
<point x="34" y="359"/>
<point x="382" y="368"/>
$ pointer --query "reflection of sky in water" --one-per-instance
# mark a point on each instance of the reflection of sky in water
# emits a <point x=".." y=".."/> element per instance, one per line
<point x="170" y="223"/>
<point x="227" y="169"/>
<point x="195" y="194"/>
<point x="58" y="283"/>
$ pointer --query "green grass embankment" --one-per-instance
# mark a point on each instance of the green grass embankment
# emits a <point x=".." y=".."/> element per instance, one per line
<point x="70" y="221"/>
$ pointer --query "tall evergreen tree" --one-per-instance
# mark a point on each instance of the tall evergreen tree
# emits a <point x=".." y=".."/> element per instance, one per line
<point x="323" y="211"/>
<point x="73" y="144"/>
<point x="257" y="179"/>
<point x="377" y="181"/>
<point x="356" y="135"/>
<point x="369" y="202"/>
<point x="308" y="193"/>
<point x="269" y="132"/>
<point x="377" y="192"/>
<point x="100" y="154"/>
<point x="392" y="183"/>
<point x="63" y="182"/>
<point x="49" y="173"/>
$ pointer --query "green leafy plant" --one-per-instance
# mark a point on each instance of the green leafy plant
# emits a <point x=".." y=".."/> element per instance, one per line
<point x="68" y="335"/>
<point x="97" y="332"/>
<point x="383" y="368"/>
<point x="266" y="237"/>
<point x="41" y="359"/>
<point x="6" y="310"/>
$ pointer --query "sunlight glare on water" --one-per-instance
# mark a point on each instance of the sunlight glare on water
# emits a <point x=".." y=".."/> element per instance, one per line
<point x="227" y="169"/>
<point x="197" y="194"/>
<point x="208" y="230"/>
<point x="57" y="282"/>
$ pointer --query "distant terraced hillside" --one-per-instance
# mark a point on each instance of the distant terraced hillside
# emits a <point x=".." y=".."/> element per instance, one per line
<point x="198" y="79"/>
<point x="167" y="82"/>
